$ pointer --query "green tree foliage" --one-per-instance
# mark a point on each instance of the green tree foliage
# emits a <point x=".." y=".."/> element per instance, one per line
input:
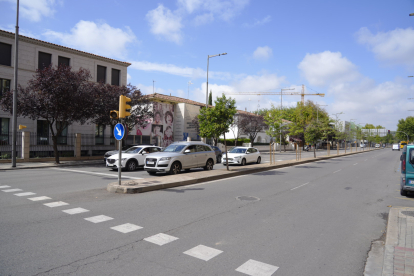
<point x="210" y="98"/>
<point x="317" y="130"/>
<point x="405" y="125"/>
<point x="278" y="129"/>
<point x="217" y="120"/>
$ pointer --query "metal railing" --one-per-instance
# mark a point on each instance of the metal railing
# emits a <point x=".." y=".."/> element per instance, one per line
<point x="6" y="145"/>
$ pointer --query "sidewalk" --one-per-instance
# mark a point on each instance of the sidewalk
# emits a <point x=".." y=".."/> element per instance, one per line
<point x="37" y="165"/>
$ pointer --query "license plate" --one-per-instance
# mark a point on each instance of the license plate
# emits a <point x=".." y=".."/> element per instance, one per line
<point x="150" y="162"/>
<point x="411" y="182"/>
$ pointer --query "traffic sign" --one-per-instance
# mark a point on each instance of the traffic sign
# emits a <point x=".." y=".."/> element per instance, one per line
<point x="119" y="131"/>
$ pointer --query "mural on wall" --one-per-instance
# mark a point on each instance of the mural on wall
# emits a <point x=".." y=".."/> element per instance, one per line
<point x="162" y="125"/>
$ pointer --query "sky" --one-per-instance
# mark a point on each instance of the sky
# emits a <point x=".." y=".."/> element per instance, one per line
<point x="358" y="53"/>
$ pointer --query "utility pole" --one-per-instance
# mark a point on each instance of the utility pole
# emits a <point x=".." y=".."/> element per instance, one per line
<point x="16" y="65"/>
<point x="153" y="86"/>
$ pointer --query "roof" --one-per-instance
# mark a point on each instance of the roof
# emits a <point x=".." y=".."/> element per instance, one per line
<point x="60" y="47"/>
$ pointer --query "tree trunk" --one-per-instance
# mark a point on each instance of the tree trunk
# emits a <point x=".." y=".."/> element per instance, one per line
<point x="55" y="149"/>
<point x="314" y="151"/>
<point x="225" y="148"/>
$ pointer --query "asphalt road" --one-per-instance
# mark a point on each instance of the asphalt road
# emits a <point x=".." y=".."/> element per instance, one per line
<point x="312" y="219"/>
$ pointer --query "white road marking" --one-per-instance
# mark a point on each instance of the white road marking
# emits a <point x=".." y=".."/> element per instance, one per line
<point x="5" y="186"/>
<point x="56" y="204"/>
<point x="25" y="194"/>
<point x="203" y="252"/>
<point x="126" y="228"/>
<point x="161" y="239"/>
<point x="255" y="268"/>
<point x="75" y="211"/>
<point x="93" y="173"/>
<point x="299" y="186"/>
<point x="39" y="198"/>
<point x="97" y="219"/>
<point x="12" y="190"/>
<point x="337" y="171"/>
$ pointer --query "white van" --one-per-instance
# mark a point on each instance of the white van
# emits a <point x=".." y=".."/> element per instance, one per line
<point x="395" y="147"/>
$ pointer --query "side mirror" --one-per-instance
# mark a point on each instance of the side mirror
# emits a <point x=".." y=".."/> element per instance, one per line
<point x="187" y="151"/>
<point x="247" y="152"/>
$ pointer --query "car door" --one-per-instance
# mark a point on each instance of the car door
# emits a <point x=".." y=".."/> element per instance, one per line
<point x="190" y="160"/>
<point x="141" y="156"/>
<point x="249" y="155"/>
<point x="202" y="155"/>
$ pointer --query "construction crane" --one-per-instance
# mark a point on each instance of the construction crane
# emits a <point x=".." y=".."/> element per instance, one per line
<point x="302" y="94"/>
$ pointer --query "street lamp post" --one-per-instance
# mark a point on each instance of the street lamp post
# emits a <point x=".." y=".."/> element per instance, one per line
<point x="208" y="59"/>
<point x="352" y="138"/>
<point x="16" y="66"/>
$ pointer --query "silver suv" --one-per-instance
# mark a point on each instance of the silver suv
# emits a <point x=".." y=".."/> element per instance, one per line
<point x="179" y="156"/>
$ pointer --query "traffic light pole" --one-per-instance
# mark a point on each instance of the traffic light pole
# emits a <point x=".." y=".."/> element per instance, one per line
<point x="119" y="161"/>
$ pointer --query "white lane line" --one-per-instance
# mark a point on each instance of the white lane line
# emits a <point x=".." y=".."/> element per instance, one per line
<point x="203" y="252"/>
<point x="337" y="171"/>
<point x="75" y="211"/>
<point x="97" y="219"/>
<point x="12" y="190"/>
<point x="255" y="268"/>
<point x="39" y="198"/>
<point x="355" y="164"/>
<point x="300" y="186"/>
<point x="93" y="173"/>
<point x="25" y="194"/>
<point x="5" y="186"/>
<point x="161" y="239"/>
<point x="126" y="228"/>
<point x="56" y="204"/>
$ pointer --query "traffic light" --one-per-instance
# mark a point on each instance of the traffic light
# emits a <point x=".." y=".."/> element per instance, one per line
<point x="124" y="107"/>
<point x="389" y="132"/>
<point x="114" y="114"/>
<point x="21" y="127"/>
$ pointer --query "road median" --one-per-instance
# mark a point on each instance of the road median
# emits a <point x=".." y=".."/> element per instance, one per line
<point x="172" y="181"/>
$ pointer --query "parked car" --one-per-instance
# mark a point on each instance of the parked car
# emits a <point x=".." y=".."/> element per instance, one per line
<point x="218" y="152"/>
<point x="363" y="145"/>
<point x="179" y="156"/>
<point x="242" y="156"/>
<point x="132" y="158"/>
<point x="112" y="152"/>
<point x="407" y="171"/>
<point x="377" y="145"/>
<point x="395" y="147"/>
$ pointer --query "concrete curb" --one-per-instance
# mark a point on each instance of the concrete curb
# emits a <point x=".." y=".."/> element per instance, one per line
<point x="171" y="181"/>
<point x="48" y="165"/>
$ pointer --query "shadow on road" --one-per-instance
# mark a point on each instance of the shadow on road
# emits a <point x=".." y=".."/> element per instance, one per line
<point x="182" y="190"/>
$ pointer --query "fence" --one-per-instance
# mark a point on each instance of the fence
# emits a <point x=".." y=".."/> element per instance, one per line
<point x="6" y="145"/>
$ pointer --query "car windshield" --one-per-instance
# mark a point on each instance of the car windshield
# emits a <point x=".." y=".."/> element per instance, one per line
<point x="174" y="148"/>
<point x="238" y="150"/>
<point x="133" y="150"/>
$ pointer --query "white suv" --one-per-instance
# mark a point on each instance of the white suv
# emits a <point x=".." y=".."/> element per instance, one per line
<point x="181" y="155"/>
<point x="132" y="158"/>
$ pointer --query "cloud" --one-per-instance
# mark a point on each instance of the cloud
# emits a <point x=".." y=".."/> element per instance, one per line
<point x="262" y="53"/>
<point x="34" y="10"/>
<point x="327" y="68"/>
<point x="394" y="47"/>
<point x="260" y="22"/>
<point x="165" y="24"/>
<point x="100" y="39"/>
<point x="172" y="69"/>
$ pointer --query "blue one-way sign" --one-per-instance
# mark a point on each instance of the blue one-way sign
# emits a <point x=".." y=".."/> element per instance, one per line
<point x="119" y="131"/>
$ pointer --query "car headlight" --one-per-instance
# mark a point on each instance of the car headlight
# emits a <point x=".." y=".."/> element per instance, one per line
<point x="237" y="157"/>
<point x="165" y="159"/>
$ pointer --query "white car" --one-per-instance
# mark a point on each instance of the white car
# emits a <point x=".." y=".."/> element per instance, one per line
<point x="377" y="145"/>
<point x="395" y="147"/>
<point x="132" y="158"/>
<point x="242" y="156"/>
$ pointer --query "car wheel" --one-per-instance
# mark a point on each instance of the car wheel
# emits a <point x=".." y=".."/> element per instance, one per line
<point x="403" y="192"/>
<point x="175" y="168"/>
<point x="131" y="165"/>
<point x="259" y="160"/>
<point x="243" y="162"/>
<point x="151" y="173"/>
<point x="209" y="165"/>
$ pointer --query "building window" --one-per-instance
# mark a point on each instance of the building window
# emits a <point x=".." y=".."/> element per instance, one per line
<point x="115" y="77"/>
<point x="99" y="134"/>
<point x="64" y="61"/>
<point x="4" y="131"/>
<point x="101" y="76"/>
<point x="42" y="132"/>
<point x="45" y="60"/>
<point x="4" y="86"/>
<point x="5" y="54"/>
<point x="63" y="138"/>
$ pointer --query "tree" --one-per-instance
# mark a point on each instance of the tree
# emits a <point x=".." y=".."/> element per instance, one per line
<point x="405" y="125"/>
<point x="210" y="98"/>
<point x="276" y="126"/>
<point x="251" y="125"/>
<point x="58" y="95"/>
<point x="235" y="128"/>
<point x="216" y="121"/>
<point x="317" y="130"/>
